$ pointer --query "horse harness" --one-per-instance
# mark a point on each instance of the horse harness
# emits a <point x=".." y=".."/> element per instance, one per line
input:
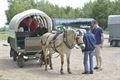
<point x="52" y="42"/>
<point x="65" y="40"/>
<point x="45" y="41"/>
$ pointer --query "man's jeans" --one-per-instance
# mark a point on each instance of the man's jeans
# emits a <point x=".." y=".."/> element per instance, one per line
<point x="88" y="55"/>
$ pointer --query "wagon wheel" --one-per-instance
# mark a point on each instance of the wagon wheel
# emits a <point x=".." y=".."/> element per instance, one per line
<point x="20" y="60"/>
<point x="13" y="54"/>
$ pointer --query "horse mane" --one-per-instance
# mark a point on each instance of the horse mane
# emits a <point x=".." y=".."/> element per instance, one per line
<point x="70" y="35"/>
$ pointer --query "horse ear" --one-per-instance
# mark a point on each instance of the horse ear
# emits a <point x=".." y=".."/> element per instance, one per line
<point x="79" y="33"/>
<point x="64" y="28"/>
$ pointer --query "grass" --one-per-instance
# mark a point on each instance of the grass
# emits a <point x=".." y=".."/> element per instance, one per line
<point x="3" y="36"/>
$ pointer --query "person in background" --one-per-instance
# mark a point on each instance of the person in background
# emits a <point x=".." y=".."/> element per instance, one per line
<point x="40" y="30"/>
<point x="98" y="32"/>
<point x="24" y="24"/>
<point x="33" y="23"/>
<point x="29" y="24"/>
<point x="88" y="51"/>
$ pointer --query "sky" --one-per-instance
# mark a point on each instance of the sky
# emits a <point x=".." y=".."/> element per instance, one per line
<point x="72" y="3"/>
<point x="3" y="7"/>
<point x="63" y="3"/>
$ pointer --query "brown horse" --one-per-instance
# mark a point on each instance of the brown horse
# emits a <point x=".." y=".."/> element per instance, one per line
<point x="61" y="43"/>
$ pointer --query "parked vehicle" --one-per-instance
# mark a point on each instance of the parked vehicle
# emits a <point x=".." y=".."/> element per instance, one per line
<point x="77" y="23"/>
<point x="21" y="43"/>
<point x="114" y="30"/>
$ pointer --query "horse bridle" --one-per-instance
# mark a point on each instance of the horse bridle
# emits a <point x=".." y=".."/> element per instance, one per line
<point x="77" y="41"/>
<point x="78" y="38"/>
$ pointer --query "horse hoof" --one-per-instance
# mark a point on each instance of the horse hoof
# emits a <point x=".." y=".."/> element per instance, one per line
<point x="51" y="68"/>
<point x="61" y="73"/>
<point x="45" y="69"/>
<point x="69" y="72"/>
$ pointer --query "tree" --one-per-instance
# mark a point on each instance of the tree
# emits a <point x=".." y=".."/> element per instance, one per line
<point x="115" y="7"/>
<point x="54" y="11"/>
<point x="17" y="6"/>
<point x="100" y="12"/>
<point x="86" y="11"/>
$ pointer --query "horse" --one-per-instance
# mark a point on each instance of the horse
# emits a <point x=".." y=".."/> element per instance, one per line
<point x="61" y="43"/>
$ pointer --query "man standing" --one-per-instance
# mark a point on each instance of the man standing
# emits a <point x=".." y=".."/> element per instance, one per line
<point x="98" y="32"/>
<point x="89" y="40"/>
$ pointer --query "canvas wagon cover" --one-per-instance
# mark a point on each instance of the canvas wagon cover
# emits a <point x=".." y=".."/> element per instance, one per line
<point x="14" y="23"/>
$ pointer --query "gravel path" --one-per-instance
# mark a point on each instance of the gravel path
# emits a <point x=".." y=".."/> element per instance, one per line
<point x="31" y="71"/>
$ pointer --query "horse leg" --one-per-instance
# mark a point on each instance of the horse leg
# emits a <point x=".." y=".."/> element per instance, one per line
<point x="46" y="60"/>
<point x="45" y="63"/>
<point x="50" y="61"/>
<point x="42" y="58"/>
<point x="62" y="62"/>
<point x="68" y="63"/>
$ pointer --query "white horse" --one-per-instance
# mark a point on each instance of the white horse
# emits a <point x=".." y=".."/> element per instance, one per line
<point x="61" y="43"/>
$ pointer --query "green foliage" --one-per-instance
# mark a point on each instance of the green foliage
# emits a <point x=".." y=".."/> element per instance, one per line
<point x="3" y="35"/>
<point x="17" y="6"/>
<point x="3" y="29"/>
<point x="54" y="11"/>
<point x="86" y="11"/>
<point x="100" y="12"/>
<point x="98" y="9"/>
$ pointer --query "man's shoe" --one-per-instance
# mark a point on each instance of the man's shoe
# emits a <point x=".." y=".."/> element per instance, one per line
<point x="96" y="67"/>
<point x="85" y="73"/>
<point x="91" y="72"/>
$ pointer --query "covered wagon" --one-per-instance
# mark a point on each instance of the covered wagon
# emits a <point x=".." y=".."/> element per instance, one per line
<point x="21" y="42"/>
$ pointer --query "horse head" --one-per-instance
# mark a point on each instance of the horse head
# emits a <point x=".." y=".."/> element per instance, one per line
<point x="79" y="39"/>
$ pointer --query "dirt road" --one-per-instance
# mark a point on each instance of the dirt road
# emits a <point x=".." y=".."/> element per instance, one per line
<point x="31" y="71"/>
